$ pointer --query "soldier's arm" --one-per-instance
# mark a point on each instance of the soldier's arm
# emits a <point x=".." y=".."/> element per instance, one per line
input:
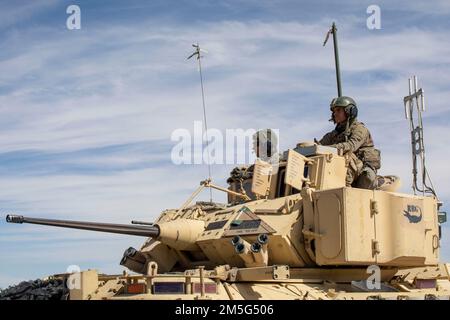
<point x="355" y="140"/>
<point x="326" y="139"/>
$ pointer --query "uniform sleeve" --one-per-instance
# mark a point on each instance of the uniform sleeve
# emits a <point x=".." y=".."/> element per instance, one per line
<point x="355" y="140"/>
<point x="326" y="139"/>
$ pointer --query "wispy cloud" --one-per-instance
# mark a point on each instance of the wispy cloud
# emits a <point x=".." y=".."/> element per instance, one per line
<point x="18" y="12"/>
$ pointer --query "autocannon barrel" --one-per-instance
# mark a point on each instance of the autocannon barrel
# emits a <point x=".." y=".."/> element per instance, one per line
<point x="144" y="231"/>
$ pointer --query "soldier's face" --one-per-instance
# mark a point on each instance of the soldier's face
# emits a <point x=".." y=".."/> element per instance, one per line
<point x="339" y="115"/>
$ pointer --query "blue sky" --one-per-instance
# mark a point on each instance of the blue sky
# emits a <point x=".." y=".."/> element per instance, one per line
<point x="87" y="115"/>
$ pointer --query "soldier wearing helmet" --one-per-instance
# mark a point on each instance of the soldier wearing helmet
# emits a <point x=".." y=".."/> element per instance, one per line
<point x="353" y="139"/>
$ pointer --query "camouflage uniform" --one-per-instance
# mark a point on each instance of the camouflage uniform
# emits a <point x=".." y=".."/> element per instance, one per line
<point x="362" y="158"/>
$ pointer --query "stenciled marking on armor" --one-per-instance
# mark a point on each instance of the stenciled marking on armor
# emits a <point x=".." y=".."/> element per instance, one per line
<point x="246" y="224"/>
<point x="216" y="225"/>
<point x="413" y="213"/>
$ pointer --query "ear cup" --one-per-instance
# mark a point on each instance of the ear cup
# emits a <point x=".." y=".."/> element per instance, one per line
<point x="351" y="111"/>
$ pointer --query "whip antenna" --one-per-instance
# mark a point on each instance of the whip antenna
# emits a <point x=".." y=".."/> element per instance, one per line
<point x="333" y="31"/>
<point x="197" y="53"/>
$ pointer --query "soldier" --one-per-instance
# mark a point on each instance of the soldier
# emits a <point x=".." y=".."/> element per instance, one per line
<point x="354" y="141"/>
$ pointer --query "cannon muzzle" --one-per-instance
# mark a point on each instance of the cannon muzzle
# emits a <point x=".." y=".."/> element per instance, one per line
<point x="135" y="230"/>
<point x="14" y="219"/>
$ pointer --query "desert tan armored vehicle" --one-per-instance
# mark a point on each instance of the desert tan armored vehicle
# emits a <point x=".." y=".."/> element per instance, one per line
<point x="297" y="232"/>
<point x="302" y="235"/>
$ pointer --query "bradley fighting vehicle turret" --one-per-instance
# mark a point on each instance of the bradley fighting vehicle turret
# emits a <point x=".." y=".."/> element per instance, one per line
<point x="297" y="232"/>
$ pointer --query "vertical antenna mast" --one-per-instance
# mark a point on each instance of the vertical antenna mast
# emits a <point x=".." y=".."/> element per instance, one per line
<point x="333" y="31"/>
<point x="197" y="53"/>
<point x="415" y="100"/>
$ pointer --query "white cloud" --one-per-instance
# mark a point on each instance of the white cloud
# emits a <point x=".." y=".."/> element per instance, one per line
<point x="11" y="14"/>
<point x="435" y="7"/>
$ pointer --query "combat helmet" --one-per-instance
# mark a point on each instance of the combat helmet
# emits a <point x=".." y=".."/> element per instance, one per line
<point x="349" y="105"/>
